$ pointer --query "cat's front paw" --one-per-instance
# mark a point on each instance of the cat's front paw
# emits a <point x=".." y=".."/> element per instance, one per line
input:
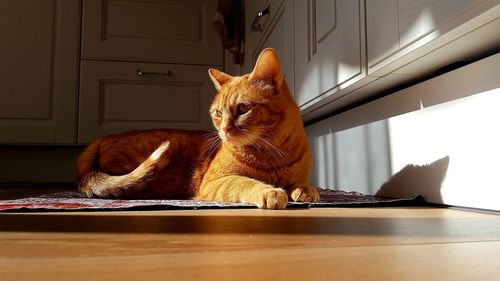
<point x="272" y="198"/>
<point x="304" y="194"/>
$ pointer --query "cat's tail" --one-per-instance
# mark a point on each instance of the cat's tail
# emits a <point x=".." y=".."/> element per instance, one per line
<point x="93" y="182"/>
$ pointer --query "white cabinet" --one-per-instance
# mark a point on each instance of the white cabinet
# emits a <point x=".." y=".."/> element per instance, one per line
<point x="145" y="65"/>
<point x="151" y="31"/>
<point x="395" y="24"/>
<point x="351" y="52"/>
<point x="41" y="54"/>
<point x="273" y="29"/>
<point x="396" y="28"/>
<point x="39" y="70"/>
<point x="124" y="96"/>
<point x="328" y="51"/>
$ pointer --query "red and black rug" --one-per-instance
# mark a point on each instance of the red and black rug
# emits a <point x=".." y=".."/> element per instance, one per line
<point x="73" y="201"/>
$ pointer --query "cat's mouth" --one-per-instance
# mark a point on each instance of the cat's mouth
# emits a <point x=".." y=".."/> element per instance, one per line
<point x="234" y="139"/>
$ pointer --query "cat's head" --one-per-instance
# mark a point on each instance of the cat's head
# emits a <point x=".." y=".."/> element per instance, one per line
<point x="254" y="106"/>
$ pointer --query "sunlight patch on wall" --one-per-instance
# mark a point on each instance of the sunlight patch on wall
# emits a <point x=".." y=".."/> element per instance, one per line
<point x="467" y="131"/>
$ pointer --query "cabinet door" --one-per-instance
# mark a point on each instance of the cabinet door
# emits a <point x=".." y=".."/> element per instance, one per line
<point x="327" y="47"/>
<point x="276" y="31"/>
<point x="396" y="24"/>
<point x="121" y="96"/>
<point x="151" y="31"/>
<point x="39" y="71"/>
<point x="382" y="33"/>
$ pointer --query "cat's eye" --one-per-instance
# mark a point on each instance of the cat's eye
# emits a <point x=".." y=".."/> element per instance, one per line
<point x="243" y="108"/>
<point x="218" y="113"/>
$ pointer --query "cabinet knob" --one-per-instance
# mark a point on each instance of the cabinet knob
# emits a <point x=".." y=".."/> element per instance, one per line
<point x="142" y="73"/>
<point x="255" y="23"/>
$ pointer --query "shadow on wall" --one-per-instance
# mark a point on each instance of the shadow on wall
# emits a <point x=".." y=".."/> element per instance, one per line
<point x="412" y="180"/>
<point x="357" y="159"/>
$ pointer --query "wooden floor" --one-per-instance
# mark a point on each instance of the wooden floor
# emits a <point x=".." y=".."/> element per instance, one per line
<point x="317" y="244"/>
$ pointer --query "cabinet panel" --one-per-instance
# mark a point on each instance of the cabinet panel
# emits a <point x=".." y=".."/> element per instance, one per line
<point x="29" y="42"/>
<point x="150" y="101"/>
<point x="151" y="31"/>
<point x="38" y="77"/>
<point x="420" y="17"/>
<point x="325" y="19"/>
<point x="393" y="25"/>
<point x="327" y="46"/>
<point x="157" y="21"/>
<point x="114" y="97"/>
<point x="382" y="31"/>
<point x="277" y="33"/>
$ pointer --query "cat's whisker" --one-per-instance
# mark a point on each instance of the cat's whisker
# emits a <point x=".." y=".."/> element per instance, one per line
<point x="247" y="136"/>
<point x="210" y="134"/>
<point x="213" y="142"/>
<point x="271" y="150"/>
<point x="276" y="147"/>
<point x="270" y="135"/>
<point x="280" y="152"/>
<point x="212" y="150"/>
<point x="212" y="138"/>
<point x="273" y="138"/>
<point x="276" y="155"/>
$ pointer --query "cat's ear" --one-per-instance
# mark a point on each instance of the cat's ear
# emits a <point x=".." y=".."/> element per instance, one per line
<point x="267" y="68"/>
<point x="219" y="78"/>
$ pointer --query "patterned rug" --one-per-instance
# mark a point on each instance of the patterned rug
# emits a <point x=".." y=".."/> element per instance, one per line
<point x="72" y="201"/>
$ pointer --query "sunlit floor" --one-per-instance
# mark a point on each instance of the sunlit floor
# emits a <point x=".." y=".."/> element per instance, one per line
<point x="315" y="244"/>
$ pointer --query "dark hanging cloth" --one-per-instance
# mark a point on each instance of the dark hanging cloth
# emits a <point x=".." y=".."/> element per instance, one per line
<point x="230" y="24"/>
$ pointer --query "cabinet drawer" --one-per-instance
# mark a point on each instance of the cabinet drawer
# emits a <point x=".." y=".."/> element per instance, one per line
<point x="151" y="31"/>
<point x="120" y="96"/>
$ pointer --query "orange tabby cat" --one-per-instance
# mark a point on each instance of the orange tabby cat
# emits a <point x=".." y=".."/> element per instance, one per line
<point x="259" y="154"/>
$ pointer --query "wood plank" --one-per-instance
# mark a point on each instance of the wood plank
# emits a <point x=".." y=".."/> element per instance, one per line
<point x="463" y="261"/>
<point x="312" y="244"/>
<point x="143" y="233"/>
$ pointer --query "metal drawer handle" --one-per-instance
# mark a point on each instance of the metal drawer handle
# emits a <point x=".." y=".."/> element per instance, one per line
<point x="255" y="24"/>
<point x="142" y="73"/>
